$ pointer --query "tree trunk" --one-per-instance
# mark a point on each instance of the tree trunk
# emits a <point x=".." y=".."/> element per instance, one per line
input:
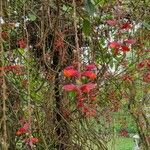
<point x="62" y="133"/>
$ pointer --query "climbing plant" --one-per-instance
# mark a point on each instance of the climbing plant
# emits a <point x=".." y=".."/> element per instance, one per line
<point x="70" y="71"/>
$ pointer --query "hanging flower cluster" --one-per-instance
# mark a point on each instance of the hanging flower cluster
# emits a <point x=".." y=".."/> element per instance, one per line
<point x="26" y="129"/>
<point x="22" y="43"/>
<point x="10" y="68"/>
<point x="144" y="66"/>
<point x="120" y="46"/>
<point x="85" y="89"/>
<point x="23" y="129"/>
<point x="146" y="77"/>
<point x="124" y="133"/>
<point x="126" y="77"/>
<point x="17" y="69"/>
<point x="4" y="35"/>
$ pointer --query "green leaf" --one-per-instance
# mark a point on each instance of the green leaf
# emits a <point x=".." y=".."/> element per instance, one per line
<point x="32" y="17"/>
<point x="86" y="27"/>
<point x="65" y="8"/>
<point x="99" y="2"/>
<point x="111" y="63"/>
<point x="72" y="94"/>
<point x="147" y="25"/>
<point x="21" y="51"/>
<point x="89" y="6"/>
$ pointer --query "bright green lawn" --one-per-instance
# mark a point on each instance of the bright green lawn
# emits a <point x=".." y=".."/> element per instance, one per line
<point x="121" y="143"/>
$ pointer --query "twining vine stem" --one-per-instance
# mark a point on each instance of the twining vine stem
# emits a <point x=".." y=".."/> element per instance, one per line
<point x="76" y="36"/>
<point x="28" y="77"/>
<point x="4" y="88"/>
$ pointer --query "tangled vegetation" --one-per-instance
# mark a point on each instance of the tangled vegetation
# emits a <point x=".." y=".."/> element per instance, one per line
<point x="74" y="74"/>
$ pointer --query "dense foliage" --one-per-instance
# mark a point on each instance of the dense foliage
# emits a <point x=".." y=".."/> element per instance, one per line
<point x="74" y="74"/>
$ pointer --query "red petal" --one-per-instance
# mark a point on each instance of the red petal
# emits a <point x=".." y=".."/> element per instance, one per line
<point x="126" y="26"/>
<point x="82" y="99"/>
<point x="114" y="45"/>
<point x="22" y="43"/>
<point x="92" y="113"/>
<point x="4" y="35"/>
<point x="20" y="131"/>
<point x="69" y="87"/>
<point x="23" y="129"/>
<point x="26" y="126"/>
<point x="85" y="109"/>
<point x="8" y="68"/>
<point x="141" y="65"/>
<point x="146" y="77"/>
<point x="89" y="74"/>
<point x="127" y="78"/>
<point x="111" y="22"/>
<point x="80" y="105"/>
<point x="130" y="41"/>
<point x="148" y="50"/>
<point x="70" y="72"/>
<point x="125" y="48"/>
<point x="87" y="87"/>
<point x="90" y="67"/>
<point x="148" y="63"/>
<point x="32" y="140"/>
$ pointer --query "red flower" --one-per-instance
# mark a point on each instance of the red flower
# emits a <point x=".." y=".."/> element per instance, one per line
<point x="31" y="140"/>
<point x="124" y="132"/>
<point x="89" y="112"/>
<point x="130" y="41"/>
<point x="125" y="48"/>
<point x="70" y="72"/>
<point x="126" y="26"/>
<point x="81" y="99"/>
<point x="26" y="126"/>
<point x="69" y="87"/>
<point x="127" y="77"/>
<point x="23" y="129"/>
<point x="13" y="67"/>
<point x="114" y="45"/>
<point x="111" y="22"/>
<point x="141" y="65"/>
<point x="86" y="88"/>
<point x="22" y="43"/>
<point x="85" y="109"/>
<point x="4" y="35"/>
<point x="80" y="105"/>
<point x="90" y="67"/>
<point x="89" y="74"/>
<point x="148" y="50"/>
<point x="146" y="77"/>
<point x="148" y="63"/>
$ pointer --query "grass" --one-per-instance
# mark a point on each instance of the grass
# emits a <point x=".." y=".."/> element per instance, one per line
<point x="121" y="143"/>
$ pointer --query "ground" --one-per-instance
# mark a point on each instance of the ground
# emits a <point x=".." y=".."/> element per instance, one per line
<point x="121" y="143"/>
